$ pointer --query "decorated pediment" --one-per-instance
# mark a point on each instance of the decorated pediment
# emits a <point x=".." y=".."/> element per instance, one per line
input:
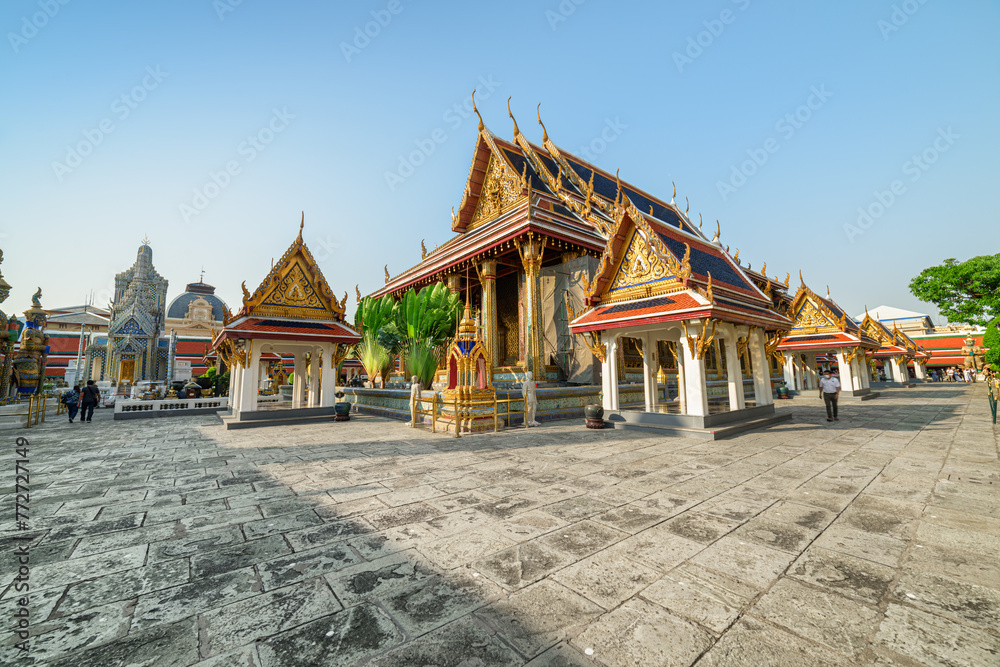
<point x="294" y="288"/>
<point x="638" y="268"/>
<point x="501" y="189"/>
<point x="811" y="316"/>
<point x="636" y="263"/>
<point x="130" y="327"/>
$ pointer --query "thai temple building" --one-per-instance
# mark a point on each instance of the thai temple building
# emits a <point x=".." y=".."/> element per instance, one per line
<point x="293" y="313"/>
<point x="895" y="353"/>
<point x="823" y="336"/>
<point x="585" y="280"/>
<point x="943" y="344"/>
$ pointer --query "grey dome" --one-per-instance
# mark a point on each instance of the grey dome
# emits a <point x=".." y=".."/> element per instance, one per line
<point x="178" y="308"/>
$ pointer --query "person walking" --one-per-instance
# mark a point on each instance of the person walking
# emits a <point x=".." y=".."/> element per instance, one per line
<point x="89" y="398"/>
<point x="829" y="391"/>
<point x="71" y="398"/>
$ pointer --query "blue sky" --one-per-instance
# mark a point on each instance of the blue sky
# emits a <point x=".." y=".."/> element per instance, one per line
<point x="209" y="126"/>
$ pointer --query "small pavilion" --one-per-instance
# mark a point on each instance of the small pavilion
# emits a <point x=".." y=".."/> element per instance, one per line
<point x="672" y="290"/>
<point x="823" y="335"/>
<point x="293" y="312"/>
<point x="892" y="353"/>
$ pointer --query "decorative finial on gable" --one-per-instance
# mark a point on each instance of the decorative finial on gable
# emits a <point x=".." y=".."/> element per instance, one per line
<point x="763" y="270"/>
<point x="517" y="130"/>
<point x="718" y="232"/>
<point x="687" y="205"/>
<point x="545" y="134"/>
<point x="827" y="291"/>
<point x="387" y="274"/>
<point x="481" y="126"/>
<point x="788" y="277"/>
<point x="801" y="279"/>
<point x="700" y="221"/>
<point x="145" y="240"/>
<point x="358" y="292"/>
<point x="301" y="225"/>
<point x="673" y="196"/>
<point x="736" y="257"/>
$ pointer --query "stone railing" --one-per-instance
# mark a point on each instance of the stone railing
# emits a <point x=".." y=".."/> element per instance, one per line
<point x="131" y="407"/>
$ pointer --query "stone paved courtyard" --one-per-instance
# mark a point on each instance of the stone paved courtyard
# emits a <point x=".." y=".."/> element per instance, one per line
<point x="873" y="540"/>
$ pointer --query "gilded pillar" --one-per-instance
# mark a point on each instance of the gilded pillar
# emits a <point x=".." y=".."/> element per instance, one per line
<point x="531" y="251"/>
<point x="488" y="280"/>
<point x="454" y="282"/>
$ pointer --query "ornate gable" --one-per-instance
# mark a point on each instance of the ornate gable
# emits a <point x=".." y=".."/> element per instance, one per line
<point x="636" y="263"/>
<point x="810" y="314"/>
<point x="295" y="288"/>
<point x="501" y="190"/>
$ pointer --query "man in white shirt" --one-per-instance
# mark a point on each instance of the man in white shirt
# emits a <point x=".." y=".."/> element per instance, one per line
<point x="829" y="391"/>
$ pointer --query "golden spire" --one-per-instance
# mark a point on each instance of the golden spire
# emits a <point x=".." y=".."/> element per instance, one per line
<point x="423" y="250"/>
<point x="517" y="130"/>
<point x="145" y="240"/>
<point x="481" y="126"/>
<point x="387" y="273"/>
<point x="801" y="279"/>
<point x="763" y="270"/>
<point x="788" y="277"/>
<point x="718" y="231"/>
<point x="301" y="225"/>
<point x="736" y="257"/>
<point x="545" y="134"/>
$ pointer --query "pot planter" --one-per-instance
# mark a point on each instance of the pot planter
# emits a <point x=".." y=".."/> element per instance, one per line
<point x="594" y="414"/>
<point x="342" y="409"/>
<point x="782" y="391"/>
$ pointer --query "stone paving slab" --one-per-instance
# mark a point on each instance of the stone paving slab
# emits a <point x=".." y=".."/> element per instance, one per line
<point x="871" y="541"/>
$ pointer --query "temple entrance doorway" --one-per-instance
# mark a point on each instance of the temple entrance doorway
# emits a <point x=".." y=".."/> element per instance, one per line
<point x="127" y="371"/>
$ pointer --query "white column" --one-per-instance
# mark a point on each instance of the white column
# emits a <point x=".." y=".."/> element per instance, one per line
<point x="681" y="389"/>
<point x="329" y="379"/>
<point x="649" y="371"/>
<point x="299" y="380"/>
<point x="250" y="379"/>
<point x="314" y="364"/>
<point x="845" y="372"/>
<point x="920" y="370"/>
<point x="864" y="374"/>
<point x="733" y="374"/>
<point x="761" y="370"/>
<point x="235" y="388"/>
<point x="789" y="369"/>
<point x="609" y="372"/>
<point x="694" y="381"/>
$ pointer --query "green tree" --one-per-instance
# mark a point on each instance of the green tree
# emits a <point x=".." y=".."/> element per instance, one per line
<point x="991" y="341"/>
<point x="967" y="292"/>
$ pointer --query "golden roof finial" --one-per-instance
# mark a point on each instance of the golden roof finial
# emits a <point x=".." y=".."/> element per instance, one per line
<point x="763" y="270"/>
<point x="481" y="126"/>
<point x="718" y="231"/>
<point x="801" y="279"/>
<point x="736" y="257"/>
<point x="687" y="205"/>
<point x="788" y="277"/>
<point x="423" y="250"/>
<point x="145" y="240"/>
<point x="673" y="196"/>
<point x="358" y="292"/>
<point x="827" y="291"/>
<point x="700" y="221"/>
<point x="545" y="134"/>
<point x="246" y="293"/>
<point x="517" y="130"/>
<point x="301" y="225"/>
<point x="708" y="289"/>
<point x="866" y="311"/>
<point x="386" y="273"/>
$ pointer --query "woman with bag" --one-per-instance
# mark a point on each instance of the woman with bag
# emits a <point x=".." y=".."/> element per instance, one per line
<point x="71" y="399"/>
